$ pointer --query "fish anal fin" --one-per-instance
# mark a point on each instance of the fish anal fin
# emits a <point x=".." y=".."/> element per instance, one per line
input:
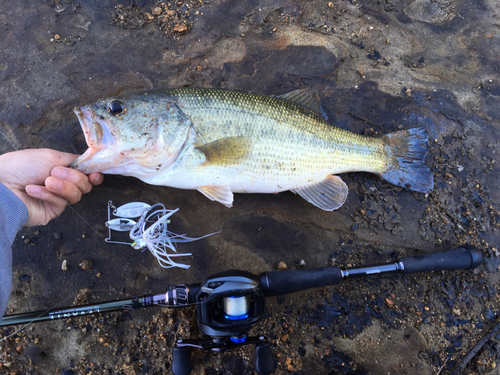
<point x="226" y="151"/>
<point x="329" y="194"/>
<point x="221" y="194"/>
<point x="307" y="98"/>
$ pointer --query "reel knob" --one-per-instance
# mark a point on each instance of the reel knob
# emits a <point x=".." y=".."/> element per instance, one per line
<point x="181" y="360"/>
<point x="264" y="361"/>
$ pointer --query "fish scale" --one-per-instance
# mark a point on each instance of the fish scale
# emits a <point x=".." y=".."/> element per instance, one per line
<point x="223" y="141"/>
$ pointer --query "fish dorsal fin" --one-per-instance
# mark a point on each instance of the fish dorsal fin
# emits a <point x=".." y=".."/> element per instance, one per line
<point x="221" y="194"/>
<point x="226" y="151"/>
<point x="307" y="98"/>
<point x="328" y="194"/>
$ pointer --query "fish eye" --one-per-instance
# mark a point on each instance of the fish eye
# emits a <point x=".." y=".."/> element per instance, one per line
<point x="116" y="107"/>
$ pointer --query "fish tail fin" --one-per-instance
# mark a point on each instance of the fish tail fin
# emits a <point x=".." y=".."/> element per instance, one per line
<point x="406" y="152"/>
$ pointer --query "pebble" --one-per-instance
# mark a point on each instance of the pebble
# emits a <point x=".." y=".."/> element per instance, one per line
<point x="24" y="278"/>
<point x="85" y="264"/>
<point x="282" y="266"/>
<point x="64" y="265"/>
<point x="180" y="27"/>
<point x="156" y="11"/>
<point x="82" y="296"/>
<point x="301" y="263"/>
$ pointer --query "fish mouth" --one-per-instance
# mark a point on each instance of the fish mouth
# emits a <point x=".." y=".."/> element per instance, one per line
<point x="96" y="130"/>
<point x="99" y="134"/>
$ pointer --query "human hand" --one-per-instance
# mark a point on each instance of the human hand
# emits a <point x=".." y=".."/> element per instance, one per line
<point x="39" y="177"/>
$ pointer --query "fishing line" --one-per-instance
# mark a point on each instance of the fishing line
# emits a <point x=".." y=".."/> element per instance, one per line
<point x="155" y="237"/>
<point x="85" y="221"/>
<point x="8" y="140"/>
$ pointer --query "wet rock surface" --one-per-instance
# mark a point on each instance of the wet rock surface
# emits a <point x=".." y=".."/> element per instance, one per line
<point x="379" y="66"/>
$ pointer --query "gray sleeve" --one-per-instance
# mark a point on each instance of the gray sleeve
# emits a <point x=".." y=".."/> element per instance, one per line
<point x="13" y="215"/>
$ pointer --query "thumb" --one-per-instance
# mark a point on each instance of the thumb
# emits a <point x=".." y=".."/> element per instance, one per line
<point x="62" y="159"/>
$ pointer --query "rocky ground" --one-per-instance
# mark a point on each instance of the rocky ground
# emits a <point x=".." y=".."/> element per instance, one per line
<point x="378" y="66"/>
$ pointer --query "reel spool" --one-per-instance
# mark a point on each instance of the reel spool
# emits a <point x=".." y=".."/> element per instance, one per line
<point x="236" y="307"/>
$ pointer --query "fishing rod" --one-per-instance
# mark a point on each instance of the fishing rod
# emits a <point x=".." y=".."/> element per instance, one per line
<point x="230" y="303"/>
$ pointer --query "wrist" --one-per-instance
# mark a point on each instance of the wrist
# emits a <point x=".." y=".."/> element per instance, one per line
<point x="14" y="190"/>
<point x="13" y="206"/>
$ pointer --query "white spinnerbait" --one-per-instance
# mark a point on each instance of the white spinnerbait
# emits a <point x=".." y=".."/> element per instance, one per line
<point x="150" y="231"/>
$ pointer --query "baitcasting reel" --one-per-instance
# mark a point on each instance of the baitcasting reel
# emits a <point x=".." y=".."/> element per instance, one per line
<point x="229" y="305"/>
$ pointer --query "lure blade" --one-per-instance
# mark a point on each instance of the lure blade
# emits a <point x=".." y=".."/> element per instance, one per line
<point x="132" y="209"/>
<point x="120" y="224"/>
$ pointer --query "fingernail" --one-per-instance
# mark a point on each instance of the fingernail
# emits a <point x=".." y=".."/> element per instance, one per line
<point x="59" y="173"/>
<point x="54" y="183"/>
<point x="33" y="189"/>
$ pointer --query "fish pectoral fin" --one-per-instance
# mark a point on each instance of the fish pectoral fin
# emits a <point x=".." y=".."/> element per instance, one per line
<point x="222" y="194"/>
<point x="329" y="194"/>
<point x="306" y="98"/>
<point x="227" y="150"/>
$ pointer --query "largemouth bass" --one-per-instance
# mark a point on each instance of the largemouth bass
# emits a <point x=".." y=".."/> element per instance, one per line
<point x="221" y="142"/>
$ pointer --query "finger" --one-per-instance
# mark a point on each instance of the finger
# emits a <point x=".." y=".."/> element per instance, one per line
<point x="42" y="193"/>
<point x="80" y="180"/>
<point x="66" y="190"/>
<point x="96" y="178"/>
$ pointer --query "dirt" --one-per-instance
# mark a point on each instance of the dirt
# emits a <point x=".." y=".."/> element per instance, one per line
<point x="171" y="18"/>
<point x="378" y="66"/>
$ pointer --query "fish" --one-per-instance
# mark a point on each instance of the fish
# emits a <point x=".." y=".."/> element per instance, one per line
<point x="221" y="142"/>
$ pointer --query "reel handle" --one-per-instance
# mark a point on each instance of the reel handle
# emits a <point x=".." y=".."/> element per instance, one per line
<point x="181" y="360"/>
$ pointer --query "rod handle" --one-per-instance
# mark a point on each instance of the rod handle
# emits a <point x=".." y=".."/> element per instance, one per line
<point x="283" y="282"/>
<point x="464" y="257"/>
